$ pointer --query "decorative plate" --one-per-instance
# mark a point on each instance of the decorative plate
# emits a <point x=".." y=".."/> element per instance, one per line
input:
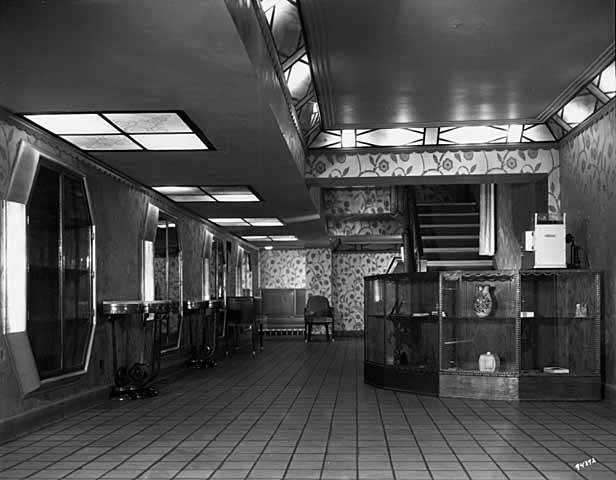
<point x="482" y="305"/>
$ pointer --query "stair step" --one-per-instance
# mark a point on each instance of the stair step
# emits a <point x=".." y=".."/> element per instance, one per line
<point x="447" y="207"/>
<point x="460" y="264"/>
<point x="449" y="230"/>
<point x="451" y="249"/>
<point x="452" y="256"/>
<point x="448" y="218"/>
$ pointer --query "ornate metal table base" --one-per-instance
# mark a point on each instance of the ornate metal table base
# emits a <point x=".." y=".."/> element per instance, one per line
<point x="134" y="383"/>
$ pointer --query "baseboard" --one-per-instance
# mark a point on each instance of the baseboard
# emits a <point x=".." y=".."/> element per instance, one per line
<point x="349" y="333"/>
<point x="609" y="392"/>
<point x="36" y="418"/>
<point x="39" y="417"/>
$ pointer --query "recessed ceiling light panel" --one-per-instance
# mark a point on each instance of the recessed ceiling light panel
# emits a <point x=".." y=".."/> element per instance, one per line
<point x="191" y="198"/>
<point x="283" y="238"/>
<point x="249" y="197"/>
<point x="178" y="190"/>
<point x="102" y="142"/>
<point x="229" y="222"/>
<point x="149" y="122"/>
<point x="264" y="222"/>
<point x="73" y="123"/>
<point x="170" y="141"/>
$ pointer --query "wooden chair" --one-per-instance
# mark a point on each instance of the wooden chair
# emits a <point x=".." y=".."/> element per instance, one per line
<point x="318" y="312"/>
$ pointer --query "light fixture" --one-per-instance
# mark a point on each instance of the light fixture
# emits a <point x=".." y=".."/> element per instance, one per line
<point x="348" y="139"/>
<point x="264" y="222"/>
<point x="514" y="134"/>
<point x="109" y="131"/>
<point x="187" y="193"/>
<point x="229" y="222"/>
<point x="247" y="222"/>
<point x="283" y="238"/>
<point x="268" y="247"/>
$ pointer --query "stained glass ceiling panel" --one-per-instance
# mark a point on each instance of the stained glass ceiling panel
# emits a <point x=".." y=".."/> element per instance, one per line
<point x="73" y="123"/>
<point x="475" y="134"/>
<point x="149" y="122"/>
<point x="170" y="141"/>
<point x="102" y="142"/>
<point x="579" y="109"/>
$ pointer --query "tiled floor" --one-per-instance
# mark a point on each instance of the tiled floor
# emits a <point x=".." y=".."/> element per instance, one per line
<point x="301" y="411"/>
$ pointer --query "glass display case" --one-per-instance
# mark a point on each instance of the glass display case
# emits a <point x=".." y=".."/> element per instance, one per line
<point x="560" y="334"/>
<point x="498" y="334"/>
<point x="479" y="332"/>
<point x="401" y="332"/>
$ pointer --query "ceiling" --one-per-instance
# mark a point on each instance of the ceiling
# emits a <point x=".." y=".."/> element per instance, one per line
<point x="384" y="63"/>
<point x="376" y="63"/>
<point x="76" y="56"/>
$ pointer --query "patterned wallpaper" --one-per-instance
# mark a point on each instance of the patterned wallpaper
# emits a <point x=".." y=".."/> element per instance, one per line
<point x="282" y="268"/>
<point x="119" y="208"/>
<point x="364" y="227"/>
<point x="319" y="272"/>
<point x="348" y="271"/>
<point x="365" y="200"/>
<point x="444" y="163"/>
<point x="588" y="180"/>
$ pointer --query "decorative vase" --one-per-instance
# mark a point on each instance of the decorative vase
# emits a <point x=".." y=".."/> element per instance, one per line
<point x="488" y="362"/>
<point x="482" y="305"/>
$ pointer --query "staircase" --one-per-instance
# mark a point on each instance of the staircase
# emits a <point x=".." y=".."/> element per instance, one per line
<point x="450" y="236"/>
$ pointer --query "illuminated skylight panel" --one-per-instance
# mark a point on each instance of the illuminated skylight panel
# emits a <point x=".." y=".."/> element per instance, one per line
<point x="247" y="222"/>
<point x="73" y="123"/>
<point x="170" y="141"/>
<point x="327" y="139"/>
<point x="537" y="133"/>
<point x="102" y="142"/>
<point x="283" y="238"/>
<point x="178" y="190"/>
<point x="256" y="238"/>
<point x="122" y="131"/>
<point x="264" y="222"/>
<point x="191" y="198"/>
<point x="514" y="133"/>
<point x="231" y="194"/>
<point x="579" y="109"/>
<point x="149" y="122"/>
<point x="229" y="222"/>
<point x="474" y="134"/>
<point x="348" y="139"/>
<point x="299" y="79"/>
<point x="391" y="137"/>
<point x="607" y="80"/>
<point x="270" y="238"/>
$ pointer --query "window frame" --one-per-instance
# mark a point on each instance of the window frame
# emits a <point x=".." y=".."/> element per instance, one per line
<point x="64" y="170"/>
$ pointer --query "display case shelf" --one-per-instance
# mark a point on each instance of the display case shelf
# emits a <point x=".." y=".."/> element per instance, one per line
<point x="504" y="334"/>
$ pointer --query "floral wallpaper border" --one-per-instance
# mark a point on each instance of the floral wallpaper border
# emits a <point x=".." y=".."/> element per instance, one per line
<point x="327" y="165"/>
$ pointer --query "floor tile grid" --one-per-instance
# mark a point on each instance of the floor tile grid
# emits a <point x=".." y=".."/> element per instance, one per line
<point x="349" y="362"/>
<point x="575" y="443"/>
<point x="323" y="358"/>
<point x="416" y="441"/>
<point x="538" y="426"/>
<point x="536" y="474"/>
<point x="289" y="360"/>
<point x="128" y="409"/>
<point x="295" y="469"/>
<point x="530" y="449"/>
<point x="466" y="459"/>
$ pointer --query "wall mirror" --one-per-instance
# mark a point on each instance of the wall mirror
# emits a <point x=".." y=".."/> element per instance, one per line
<point x="60" y="275"/>
<point x="168" y="278"/>
<point x="217" y="266"/>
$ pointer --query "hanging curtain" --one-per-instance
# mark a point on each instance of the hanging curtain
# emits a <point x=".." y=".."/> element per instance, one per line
<point x="486" y="219"/>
